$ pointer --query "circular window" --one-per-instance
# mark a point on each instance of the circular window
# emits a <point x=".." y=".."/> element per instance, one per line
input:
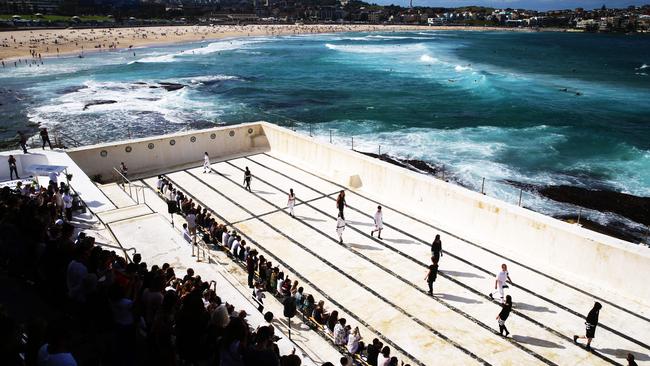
<point x="103" y="153"/>
<point x="193" y="139"/>
<point x="213" y="136"/>
<point x="250" y="130"/>
<point x="172" y="142"/>
<point x="150" y="146"/>
<point x="232" y="133"/>
<point x="128" y="149"/>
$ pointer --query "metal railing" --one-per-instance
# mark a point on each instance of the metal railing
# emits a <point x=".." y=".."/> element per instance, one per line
<point x="130" y="188"/>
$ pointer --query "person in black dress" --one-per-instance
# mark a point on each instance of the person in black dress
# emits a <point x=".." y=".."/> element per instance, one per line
<point x="432" y="274"/>
<point x="340" y="203"/>
<point x="436" y="248"/>
<point x="506" y="308"/>
<point x="247" y="179"/>
<point x="12" y="167"/>
<point x="591" y="324"/>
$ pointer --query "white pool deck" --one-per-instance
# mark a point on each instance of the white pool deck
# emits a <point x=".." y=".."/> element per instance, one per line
<point x="375" y="284"/>
<point x="379" y="285"/>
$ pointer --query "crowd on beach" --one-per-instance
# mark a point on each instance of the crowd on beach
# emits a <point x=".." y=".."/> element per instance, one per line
<point x="27" y="48"/>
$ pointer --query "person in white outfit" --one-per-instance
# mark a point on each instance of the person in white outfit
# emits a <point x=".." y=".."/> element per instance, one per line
<point x="206" y="163"/>
<point x="500" y="282"/>
<point x="379" y="222"/>
<point x="291" y="202"/>
<point x="340" y="226"/>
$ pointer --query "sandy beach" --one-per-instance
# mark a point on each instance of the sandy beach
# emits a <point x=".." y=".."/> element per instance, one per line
<point x="34" y="45"/>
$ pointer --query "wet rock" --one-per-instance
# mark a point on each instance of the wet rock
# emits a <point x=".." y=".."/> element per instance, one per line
<point x="171" y="86"/>
<point x="98" y="102"/>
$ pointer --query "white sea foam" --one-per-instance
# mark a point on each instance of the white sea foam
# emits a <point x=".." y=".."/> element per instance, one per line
<point x="642" y="67"/>
<point x="208" y="78"/>
<point x="429" y="59"/>
<point x="460" y="68"/>
<point x="375" y="48"/>
<point x="220" y="46"/>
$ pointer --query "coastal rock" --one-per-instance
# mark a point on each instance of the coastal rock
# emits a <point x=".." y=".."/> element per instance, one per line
<point x="171" y="86"/>
<point x="98" y="102"/>
<point x="633" y="207"/>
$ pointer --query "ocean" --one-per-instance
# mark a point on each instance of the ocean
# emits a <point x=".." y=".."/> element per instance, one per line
<point x="496" y="111"/>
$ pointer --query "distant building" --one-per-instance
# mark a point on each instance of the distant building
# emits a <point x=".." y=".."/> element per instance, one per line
<point x="30" y="6"/>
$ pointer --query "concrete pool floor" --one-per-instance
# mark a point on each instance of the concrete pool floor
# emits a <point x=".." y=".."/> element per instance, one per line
<point x="379" y="285"/>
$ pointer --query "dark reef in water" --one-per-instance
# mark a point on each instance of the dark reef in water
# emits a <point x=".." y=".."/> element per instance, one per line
<point x="98" y="102"/>
<point x="626" y="205"/>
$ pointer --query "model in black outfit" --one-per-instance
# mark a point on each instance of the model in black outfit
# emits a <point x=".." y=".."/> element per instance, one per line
<point x="247" y="179"/>
<point x="591" y="324"/>
<point x="506" y="308"/>
<point x="340" y="203"/>
<point x="436" y="248"/>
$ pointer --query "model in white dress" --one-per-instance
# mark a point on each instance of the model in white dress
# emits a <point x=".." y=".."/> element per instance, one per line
<point x="340" y="226"/>
<point x="291" y="202"/>
<point x="206" y="163"/>
<point x="379" y="223"/>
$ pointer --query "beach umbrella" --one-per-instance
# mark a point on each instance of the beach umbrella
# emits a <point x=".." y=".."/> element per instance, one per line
<point x="75" y="18"/>
<point x="39" y="15"/>
<point x="16" y="17"/>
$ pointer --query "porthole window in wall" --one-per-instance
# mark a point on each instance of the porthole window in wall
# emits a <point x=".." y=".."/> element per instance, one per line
<point x="128" y="149"/>
<point x="213" y="136"/>
<point x="193" y="139"/>
<point x="103" y="153"/>
<point x="172" y="142"/>
<point x="150" y="146"/>
<point x="250" y="131"/>
<point x="232" y="133"/>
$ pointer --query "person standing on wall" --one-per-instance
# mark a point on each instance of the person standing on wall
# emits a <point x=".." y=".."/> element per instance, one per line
<point x="12" y="167"/>
<point x="340" y="226"/>
<point x="591" y="324"/>
<point x="500" y="282"/>
<point x="436" y="248"/>
<point x="45" y="137"/>
<point x="206" y="163"/>
<point x="22" y="140"/>
<point x="506" y="308"/>
<point x="340" y="204"/>
<point x="432" y="274"/>
<point x="291" y="202"/>
<point x="379" y="223"/>
<point x="247" y="179"/>
<point x="67" y="205"/>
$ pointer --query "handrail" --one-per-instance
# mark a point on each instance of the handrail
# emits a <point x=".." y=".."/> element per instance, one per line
<point x="110" y="232"/>
<point x="127" y="183"/>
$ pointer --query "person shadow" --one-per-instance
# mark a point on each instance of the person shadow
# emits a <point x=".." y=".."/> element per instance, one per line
<point x="622" y="353"/>
<point x="536" y="341"/>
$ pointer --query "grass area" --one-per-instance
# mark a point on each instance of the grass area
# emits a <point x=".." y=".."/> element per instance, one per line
<point x="57" y="18"/>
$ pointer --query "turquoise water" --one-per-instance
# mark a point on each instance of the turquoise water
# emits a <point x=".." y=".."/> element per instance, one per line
<point x="542" y="108"/>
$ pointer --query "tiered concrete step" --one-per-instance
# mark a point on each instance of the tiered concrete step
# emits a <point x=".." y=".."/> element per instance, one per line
<point x="125" y="213"/>
<point x="116" y="195"/>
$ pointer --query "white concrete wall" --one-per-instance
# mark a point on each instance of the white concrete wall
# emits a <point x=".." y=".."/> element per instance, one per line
<point x="22" y="162"/>
<point x="591" y="257"/>
<point x="218" y="142"/>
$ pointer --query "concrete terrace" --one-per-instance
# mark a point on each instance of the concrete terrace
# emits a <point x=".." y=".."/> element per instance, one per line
<point x="558" y="269"/>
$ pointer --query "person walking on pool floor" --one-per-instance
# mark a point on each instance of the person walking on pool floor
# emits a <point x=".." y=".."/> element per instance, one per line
<point x="379" y="223"/>
<point x="506" y="308"/>
<point x="340" y="204"/>
<point x="206" y="163"/>
<point x="291" y="202"/>
<point x="247" y="179"/>
<point x="436" y="248"/>
<point x="500" y="282"/>
<point x="340" y="226"/>
<point x="591" y="323"/>
<point x="432" y="273"/>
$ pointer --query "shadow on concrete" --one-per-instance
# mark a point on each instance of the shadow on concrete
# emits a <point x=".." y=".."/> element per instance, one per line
<point x="305" y="218"/>
<point x="93" y="204"/>
<point x="362" y="246"/>
<point x="462" y="274"/>
<point x="262" y="192"/>
<point x="357" y="223"/>
<point x="455" y="298"/>
<point x="622" y="353"/>
<point x="400" y="241"/>
<point x="524" y="306"/>
<point x="536" y="341"/>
